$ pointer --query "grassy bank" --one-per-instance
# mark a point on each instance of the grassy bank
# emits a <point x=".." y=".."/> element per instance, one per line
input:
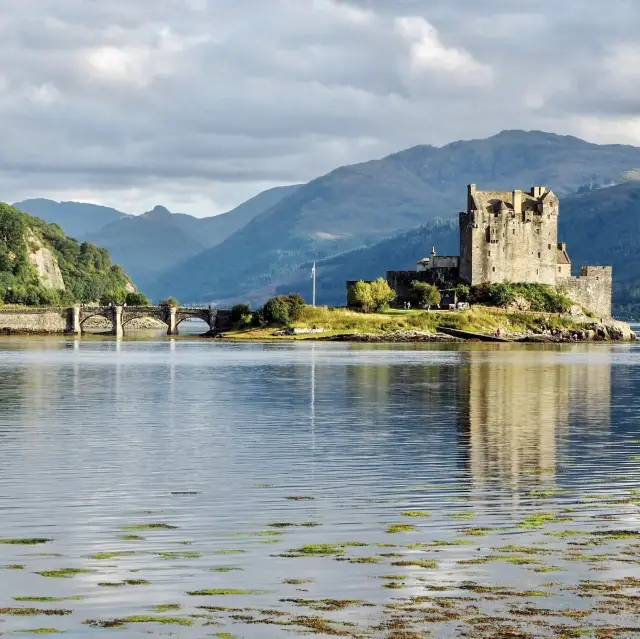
<point x="478" y="319"/>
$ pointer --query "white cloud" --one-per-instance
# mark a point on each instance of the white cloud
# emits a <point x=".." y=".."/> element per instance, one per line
<point x="428" y="53"/>
<point x="200" y="103"/>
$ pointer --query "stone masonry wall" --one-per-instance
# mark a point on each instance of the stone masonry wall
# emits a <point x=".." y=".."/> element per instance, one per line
<point x="505" y="246"/>
<point x="36" y="320"/>
<point x="592" y="290"/>
<point x="400" y="281"/>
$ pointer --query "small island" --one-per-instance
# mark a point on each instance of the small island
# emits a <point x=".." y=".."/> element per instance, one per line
<point x="511" y="282"/>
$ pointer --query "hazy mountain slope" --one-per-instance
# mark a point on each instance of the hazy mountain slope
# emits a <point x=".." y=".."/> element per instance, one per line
<point x="398" y="253"/>
<point x="358" y="205"/>
<point x="146" y="244"/>
<point x="75" y="218"/>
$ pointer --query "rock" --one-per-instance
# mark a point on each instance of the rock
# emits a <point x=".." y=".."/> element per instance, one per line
<point x="396" y="336"/>
<point x="519" y="304"/>
<point x="298" y="331"/>
<point x="45" y="262"/>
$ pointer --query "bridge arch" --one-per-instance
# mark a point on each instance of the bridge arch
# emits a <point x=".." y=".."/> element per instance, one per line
<point x="131" y="313"/>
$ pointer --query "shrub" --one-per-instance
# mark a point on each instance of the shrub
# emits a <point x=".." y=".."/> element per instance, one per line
<point x="462" y="292"/>
<point x="283" y="309"/>
<point x="426" y="294"/>
<point x="370" y="297"/>
<point x="276" y="311"/>
<point x="360" y="296"/>
<point x="541" y="297"/>
<point x="239" y="311"/>
<point x="137" y="299"/>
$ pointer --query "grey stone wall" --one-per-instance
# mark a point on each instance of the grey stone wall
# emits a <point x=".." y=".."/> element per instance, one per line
<point x="505" y="246"/>
<point x="592" y="290"/>
<point x="36" y="320"/>
<point x="400" y="281"/>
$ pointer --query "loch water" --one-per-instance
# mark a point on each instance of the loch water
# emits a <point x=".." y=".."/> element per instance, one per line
<point x="197" y="488"/>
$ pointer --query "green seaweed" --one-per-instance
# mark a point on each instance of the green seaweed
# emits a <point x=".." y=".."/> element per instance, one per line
<point x="400" y="528"/>
<point x="151" y="527"/>
<point x="415" y="513"/>
<point x="34" y="612"/>
<point x="218" y="592"/>
<point x="420" y="563"/>
<point x="48" y="599"/>
<point x="65" y="573"/>
<point x="166" y="607"/>
<point x="31" y="541"/>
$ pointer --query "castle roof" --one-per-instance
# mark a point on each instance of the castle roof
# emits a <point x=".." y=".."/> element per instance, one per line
<point x="563" y="256"/>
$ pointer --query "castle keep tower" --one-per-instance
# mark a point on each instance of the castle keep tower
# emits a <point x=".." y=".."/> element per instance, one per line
<point x="509" y="236"/>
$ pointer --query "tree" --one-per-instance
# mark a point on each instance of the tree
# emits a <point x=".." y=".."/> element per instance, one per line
<point x="137" y="299"/>
<point x="462" y="292"/>
<point x="276" y="311"/>
<point x="382" y="294"/>
<point x="169" y="301"/>
<point x="241" y="315"/>
<point x="427" y="294"/>
<point x="371" y="297"/>
<point x="239" y="311"/>
<point x="361" y="296"/>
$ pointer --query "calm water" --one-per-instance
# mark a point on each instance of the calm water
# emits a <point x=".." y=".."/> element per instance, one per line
<point x="270" y="475"/>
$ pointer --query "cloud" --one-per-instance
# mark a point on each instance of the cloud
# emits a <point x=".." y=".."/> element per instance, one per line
<point x="199" y="104"/>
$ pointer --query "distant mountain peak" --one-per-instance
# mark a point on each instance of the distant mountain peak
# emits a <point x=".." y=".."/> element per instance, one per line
<point x="158" y="211"/>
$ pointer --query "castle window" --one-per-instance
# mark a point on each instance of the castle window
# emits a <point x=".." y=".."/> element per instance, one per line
<point x="539" y="255"/>
<point x="494" y="269"/>
<point x="549" y="246"/>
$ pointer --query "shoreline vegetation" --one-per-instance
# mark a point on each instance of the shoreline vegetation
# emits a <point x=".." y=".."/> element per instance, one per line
<point x="395" y="325"/>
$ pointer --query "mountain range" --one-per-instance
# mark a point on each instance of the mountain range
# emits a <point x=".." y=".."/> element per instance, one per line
<point x="360" y="220"/>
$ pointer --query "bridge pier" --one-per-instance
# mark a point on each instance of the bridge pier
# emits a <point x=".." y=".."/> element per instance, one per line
<point x="73" y="321"/>
<point x="117" y="329"/>
<point x="172" y="321"/>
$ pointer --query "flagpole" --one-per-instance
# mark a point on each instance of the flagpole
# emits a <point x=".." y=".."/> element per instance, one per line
<point x="314" y="284"/>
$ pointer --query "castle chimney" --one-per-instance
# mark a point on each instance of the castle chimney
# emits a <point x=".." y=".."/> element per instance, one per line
<point x="517" y="201"/>
<point x="472" y="189"/>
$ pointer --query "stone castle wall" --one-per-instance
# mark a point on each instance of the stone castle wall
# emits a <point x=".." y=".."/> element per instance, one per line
<point x="35" y="320"/>
<point x="400" y="281"/>
<point x="505" y="246"/>
<point x="592" y="289"/>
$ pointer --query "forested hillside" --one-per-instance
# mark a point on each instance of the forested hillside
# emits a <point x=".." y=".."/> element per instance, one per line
<point x="87" y="273"/>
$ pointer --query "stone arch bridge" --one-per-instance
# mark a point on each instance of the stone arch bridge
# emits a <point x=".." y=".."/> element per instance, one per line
<point x="217" y="320"/>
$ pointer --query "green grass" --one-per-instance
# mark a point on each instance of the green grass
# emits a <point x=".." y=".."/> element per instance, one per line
<point x="478" y="319"/>
<point x="65" y="573"/>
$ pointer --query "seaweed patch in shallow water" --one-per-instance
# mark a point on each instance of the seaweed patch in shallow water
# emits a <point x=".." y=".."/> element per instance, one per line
<point x="400" y="528"/>
<point x="216" y="592"/>
<point x="34" y="612"/>
<point x="65" y="573"/>
<point x="49" y="599"/>
<point x="118" y="623"/>
<point x="151" y="527"/>
<point x="30" y="541"/>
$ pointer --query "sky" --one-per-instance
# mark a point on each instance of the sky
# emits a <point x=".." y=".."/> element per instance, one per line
<point x="200" y="104"/>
